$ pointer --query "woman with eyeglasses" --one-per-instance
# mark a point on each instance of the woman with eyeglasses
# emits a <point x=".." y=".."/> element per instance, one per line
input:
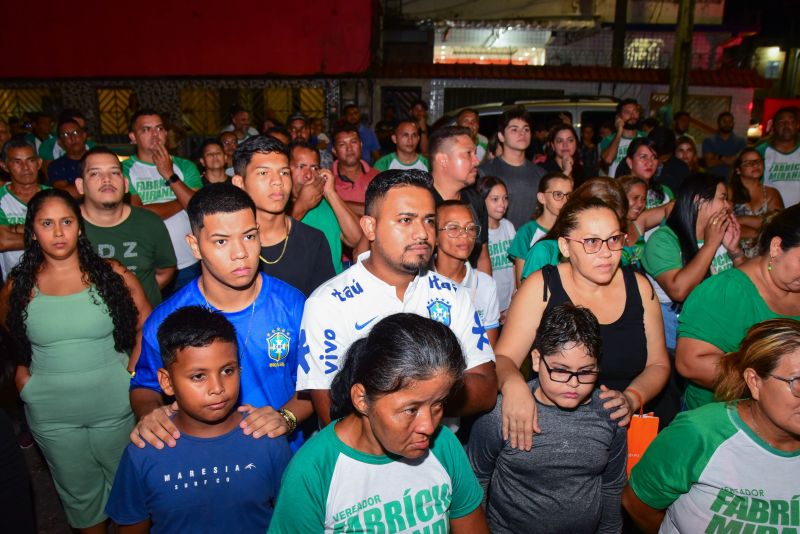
<point x="554" y="190"/>
<point x="752" y="200"/>
<point x="717" y="314"/>
<point x="642" y="159"/>
<point x="572" y="479"/>
<point x="700" y="239"/>
<point x="456" y="233"/>
<point x="635" y="362"/>
<point x="730" y="466"/>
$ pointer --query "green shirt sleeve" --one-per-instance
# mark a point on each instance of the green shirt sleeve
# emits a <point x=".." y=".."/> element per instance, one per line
<point x="425" y="161"/>
<point x="606" y="142"/>
<point x="467" y="493"/>
<point x="522" y="241"/>
<point x="544" y="252"/>
<point x="662" y="252"/>
<point x="762" y="149"/>
<point x="668" y="192"/>
<point x="126" y="172"/>
<point x="191" y="176"/>
<point x="383" y="163"/>
<point x="675" y="459"/>
<point x="304" y="488"/>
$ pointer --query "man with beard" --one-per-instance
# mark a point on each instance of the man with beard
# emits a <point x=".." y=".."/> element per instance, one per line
<point x="392" y="277"/>
<point x="614" y="148"/>
<point x="782" y="157"/>
<point x="721" y="149"/>
<point x="133" y="236"/>
<point x="454" y="166"/>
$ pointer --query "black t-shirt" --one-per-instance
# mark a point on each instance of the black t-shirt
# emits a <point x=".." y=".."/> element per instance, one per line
<point x="469" y="194"/>
<point x="63" y="169"/>
<point x="306" y="264"/>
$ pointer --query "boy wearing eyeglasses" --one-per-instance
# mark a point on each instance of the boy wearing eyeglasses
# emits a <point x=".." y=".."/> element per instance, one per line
<point x="572" y="478"/>
<point x="456" y="234"/>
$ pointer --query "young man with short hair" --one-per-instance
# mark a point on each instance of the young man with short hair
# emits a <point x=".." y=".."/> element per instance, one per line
<point x="135" y="237"/>
<point x="721" y="149"/>
<point x="406" y="140"/>
<point x="265" y="311"/>
<point x="164" y="185"/>
<point x="520" y="175"/>
<point x="371" y="146"/>
<point x="290" y="250"/>
<point x="212" y="159"/>
<point x="393" y="277"/>
<point x="469" y="118"/>
<point x="215" y="473"/>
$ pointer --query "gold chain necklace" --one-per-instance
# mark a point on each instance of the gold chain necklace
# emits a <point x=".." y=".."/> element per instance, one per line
<point x="285" y="243"/>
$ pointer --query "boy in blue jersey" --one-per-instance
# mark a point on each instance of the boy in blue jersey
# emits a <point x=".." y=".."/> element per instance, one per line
<point x="215" y="472"/>
<point x="264" y="311"/>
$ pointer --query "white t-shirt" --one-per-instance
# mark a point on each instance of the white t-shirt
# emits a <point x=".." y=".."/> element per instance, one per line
<point x="347" y="306"/>
<point x="12" y="211"/>
<point x="251" y="132"/>
<point x="782" y="171"/>
<point x="482" y="291"/>
<point x="500" y="240"/>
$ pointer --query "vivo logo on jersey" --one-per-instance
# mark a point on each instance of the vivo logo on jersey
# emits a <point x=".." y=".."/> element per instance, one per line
<point x="435" y="283"/>
<point x="330" y="357"/>
<point x="348" y="292"/>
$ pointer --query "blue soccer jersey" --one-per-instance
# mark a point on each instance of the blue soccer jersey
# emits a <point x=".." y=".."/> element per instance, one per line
<point x="267" y="333"/>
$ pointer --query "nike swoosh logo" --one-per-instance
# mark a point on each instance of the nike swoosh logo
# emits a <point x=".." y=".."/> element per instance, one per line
<point x="362" y="326"/>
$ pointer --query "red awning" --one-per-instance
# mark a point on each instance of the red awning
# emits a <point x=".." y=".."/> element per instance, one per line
<point x="57" y="39"/>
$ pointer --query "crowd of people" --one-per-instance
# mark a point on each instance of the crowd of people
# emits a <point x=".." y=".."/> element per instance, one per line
<point x="404" y="329"/>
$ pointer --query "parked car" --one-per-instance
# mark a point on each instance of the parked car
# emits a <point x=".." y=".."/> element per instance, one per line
<point x="580" y="110"/>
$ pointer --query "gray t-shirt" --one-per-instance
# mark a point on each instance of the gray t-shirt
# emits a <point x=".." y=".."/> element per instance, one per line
<point x="570" y="481"/>
<point x="522" y="183"/>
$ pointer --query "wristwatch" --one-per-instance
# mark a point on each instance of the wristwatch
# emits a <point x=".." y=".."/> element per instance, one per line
<point x="172" y="179"/>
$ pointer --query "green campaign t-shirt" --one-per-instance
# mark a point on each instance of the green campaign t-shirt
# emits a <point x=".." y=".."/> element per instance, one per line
<point x="141" y="243"/>
<point x="720" y="311"/>
<point x="782" y="171"/>
<point x="527" y="236"/>
<point x="151" y="188"/>
<point x="622" y="149"/>
<point x="714" y="474"/>
<point x="544" y="252"/>
<point x="331" y="487"/>
<point x="324" y="219"/>
<point x="12" y="211"/>
<point x="390" y="161"/>
<point x="662" y="253"/>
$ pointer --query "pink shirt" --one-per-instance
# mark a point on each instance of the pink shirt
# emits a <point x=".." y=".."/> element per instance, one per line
<point x="354" y="190"/>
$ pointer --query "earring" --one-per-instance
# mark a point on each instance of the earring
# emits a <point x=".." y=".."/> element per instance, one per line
<point x="769" y="264"/>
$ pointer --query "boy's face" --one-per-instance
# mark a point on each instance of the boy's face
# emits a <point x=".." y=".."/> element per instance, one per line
<point x="228" y="246"/>
<point x="568" y="395"/>
<point x="205" y="383"/>
<point x="268" y="181"/>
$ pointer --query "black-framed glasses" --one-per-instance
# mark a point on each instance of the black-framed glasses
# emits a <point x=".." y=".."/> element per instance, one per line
<point x="592" y="245"/>
<point x="563" y="376"/>
<point x="794" y="384"/>
<point x="456" y="230"/>
<point x="558" y="195"/>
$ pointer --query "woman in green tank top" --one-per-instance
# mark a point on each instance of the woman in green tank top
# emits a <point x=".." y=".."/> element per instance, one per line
<point x="77" y="319"/>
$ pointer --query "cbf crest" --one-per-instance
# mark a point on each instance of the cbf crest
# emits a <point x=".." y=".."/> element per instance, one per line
<point x="439" y="311"/>
<point x="278" y="342"/>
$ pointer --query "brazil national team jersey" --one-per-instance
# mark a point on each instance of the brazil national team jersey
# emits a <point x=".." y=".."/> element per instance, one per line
<point x="714" y="474"/>
<point x="346" y="307"/>
<point x="268" y="334"/>
<point x="330" y="487"/>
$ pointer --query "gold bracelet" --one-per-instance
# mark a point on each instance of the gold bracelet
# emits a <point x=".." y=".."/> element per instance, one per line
<point x="289" y="417"/>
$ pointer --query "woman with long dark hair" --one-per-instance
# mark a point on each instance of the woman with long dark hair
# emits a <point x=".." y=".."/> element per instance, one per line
<point x="752" y="200"/>
<point x="385" y="464"/>
<point x="719" y="311"/>
<point x="701" y="238"/>
<point x="562" y="153"/>
<point x="76" y="318"/>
